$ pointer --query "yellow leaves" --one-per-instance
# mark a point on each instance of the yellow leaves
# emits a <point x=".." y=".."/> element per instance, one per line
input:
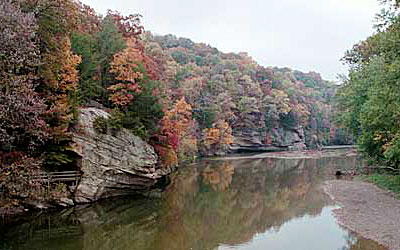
<point x="211" y="136"/>
<point x="303" y="112"/>
<point x="178" y="117"/>
<point x="59" y="67"/>
<point x="176" y="134"/>
<point x="219" y="134"/>
<point x="179" y="128"/>
<point x="219" y="178"/>
<point x="188" y="147"/>
<point x="385" y="138"/>
<point x="181" y="107"/>
<point x="282" y="101"/>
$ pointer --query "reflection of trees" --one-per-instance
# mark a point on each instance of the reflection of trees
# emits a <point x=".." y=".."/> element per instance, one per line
<point x="262" y="194"/>
<point x="220" y="177"/>
<point x="216" y="202"/>
<point x="356" y="243"/>
<point x="61" y="231"/>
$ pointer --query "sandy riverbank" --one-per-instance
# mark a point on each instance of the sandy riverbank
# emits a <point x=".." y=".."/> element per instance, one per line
<point x="367" y="210"/>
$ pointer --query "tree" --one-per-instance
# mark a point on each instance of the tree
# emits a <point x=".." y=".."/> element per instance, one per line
<point x="218" y="137"/>
<point x="369" y="100"/>
<point x="109" y="42"/>
<point x="127" y="66"/>
<point x="22" y="127"/>
<point x="19" y="50"/>
<point x="172" y="130"/>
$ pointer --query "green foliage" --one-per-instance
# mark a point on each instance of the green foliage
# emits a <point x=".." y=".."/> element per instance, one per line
<point x="385" y="181"/>
<point x="143" y="115"/>
<point x="115" y="122"/>
<point x="205" y="117"/>
<point x="97" y="51"/>
<point x="100" y="125"/>
<point x="111" y="125"/>
<point x="58" y="155"/>
<point x="180" y="57"/>
<point x="369" y="100"/>
<point x="288" y="120"/>
<point x="86" y="46"/>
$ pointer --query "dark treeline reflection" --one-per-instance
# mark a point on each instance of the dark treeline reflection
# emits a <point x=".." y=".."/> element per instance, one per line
<point x="205" y="205"/>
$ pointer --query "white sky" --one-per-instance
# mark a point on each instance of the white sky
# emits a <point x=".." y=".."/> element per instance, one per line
<point x="307" y="35"/>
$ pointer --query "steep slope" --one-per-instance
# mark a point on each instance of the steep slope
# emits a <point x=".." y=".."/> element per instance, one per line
<point x="267" y="108"/>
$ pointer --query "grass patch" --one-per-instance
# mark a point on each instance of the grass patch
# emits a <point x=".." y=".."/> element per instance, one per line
<point x="385" y="181"/>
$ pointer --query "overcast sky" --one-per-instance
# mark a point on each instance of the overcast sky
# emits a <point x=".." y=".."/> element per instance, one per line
<point x="308" y="35"/>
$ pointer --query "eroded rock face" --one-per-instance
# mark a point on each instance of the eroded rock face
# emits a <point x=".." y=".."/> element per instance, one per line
<point x="112" y="165"/>
<point x="251" y="134"/>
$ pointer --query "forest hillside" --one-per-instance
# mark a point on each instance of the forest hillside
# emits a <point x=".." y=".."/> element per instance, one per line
<point x="184" y="98"/>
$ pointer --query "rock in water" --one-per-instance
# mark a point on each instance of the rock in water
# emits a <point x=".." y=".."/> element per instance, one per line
<point x="112" y="165"/>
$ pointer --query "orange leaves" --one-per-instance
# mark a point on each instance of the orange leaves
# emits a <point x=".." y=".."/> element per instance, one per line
<point x="59" y="67"/>
<point x="131" y="67"/>
<point x="126" y="67"/>
<point x="175" y="131"/>
<point x="122" y="94"/>
<point x="67" y="83"/>
<point x="167" y="155"/>
<point x="68" y="73"/>
<point x="181" y="108"/>
<point x="126" y="63"/>
<point x="219" y="135"/>
<point x="175" y="122"/>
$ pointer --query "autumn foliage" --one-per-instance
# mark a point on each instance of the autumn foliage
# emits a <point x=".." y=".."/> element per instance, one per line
<point x="175" y="128"/>
<point x="217" y="137"/>
<point x="185" y="98"/>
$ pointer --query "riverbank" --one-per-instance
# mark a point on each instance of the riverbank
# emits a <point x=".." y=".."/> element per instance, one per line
<point x="368" y="210"/>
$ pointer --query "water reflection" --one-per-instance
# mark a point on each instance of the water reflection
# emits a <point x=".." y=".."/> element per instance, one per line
<point x="238" y="204"/>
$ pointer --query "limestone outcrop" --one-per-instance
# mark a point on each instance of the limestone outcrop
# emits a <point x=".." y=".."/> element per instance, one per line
<point x="112" y="165"/>
<point x="252" y="135"/>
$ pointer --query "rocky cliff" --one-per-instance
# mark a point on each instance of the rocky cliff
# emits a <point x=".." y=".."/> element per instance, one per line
<point x="112" y="165"/>
<point x="252" y="135"/>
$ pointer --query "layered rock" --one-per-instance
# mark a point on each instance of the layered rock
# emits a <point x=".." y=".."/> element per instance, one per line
<point x="112" y="165"/>
<point x="252" y="135"/>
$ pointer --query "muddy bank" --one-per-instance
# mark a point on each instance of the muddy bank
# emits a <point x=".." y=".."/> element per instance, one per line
<point x="367" y="210"/>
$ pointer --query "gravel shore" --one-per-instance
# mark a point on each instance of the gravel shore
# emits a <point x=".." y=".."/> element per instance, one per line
<point x="367" y="210"/>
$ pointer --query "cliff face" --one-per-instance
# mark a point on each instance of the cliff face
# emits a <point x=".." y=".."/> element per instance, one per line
<point x="252" y="135"/>
<point x="112" y="165"/>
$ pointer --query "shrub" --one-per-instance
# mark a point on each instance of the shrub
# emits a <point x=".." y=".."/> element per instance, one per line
<point x="100" y="125"/>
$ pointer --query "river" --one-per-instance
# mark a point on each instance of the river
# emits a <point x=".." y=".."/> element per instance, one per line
<point x="267" y="203"/>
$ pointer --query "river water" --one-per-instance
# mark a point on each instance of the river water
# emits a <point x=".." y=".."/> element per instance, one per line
<point x="275" y="204"/>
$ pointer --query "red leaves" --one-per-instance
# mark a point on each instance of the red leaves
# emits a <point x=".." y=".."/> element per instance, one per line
<point x="129" y="26"/>
<point x="174" y="124"/>
<point x="21" y="117"/>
